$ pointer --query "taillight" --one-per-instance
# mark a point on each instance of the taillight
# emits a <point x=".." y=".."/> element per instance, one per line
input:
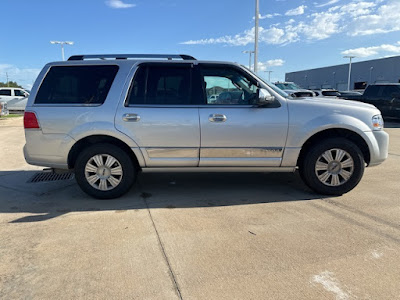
<point x="30" y="120"/>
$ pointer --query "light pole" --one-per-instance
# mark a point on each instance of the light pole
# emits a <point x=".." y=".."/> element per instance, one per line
<point x="256" y="36"/>
<point x="269" y="75"/>
<point x="333" y="85"/>
<point x="370" y="75"/>
<point x="250" y="52"/>
<point x="348" y="82"/>
<point x="62" y="46"/>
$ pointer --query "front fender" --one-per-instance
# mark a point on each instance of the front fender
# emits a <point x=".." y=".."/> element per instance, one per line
<point x="300" y="132"/>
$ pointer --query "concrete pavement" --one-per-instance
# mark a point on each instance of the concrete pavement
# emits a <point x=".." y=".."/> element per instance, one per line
<point x="198" y="236"/>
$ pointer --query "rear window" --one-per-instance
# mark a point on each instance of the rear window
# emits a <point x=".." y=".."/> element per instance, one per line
<point x="76" y="85"/>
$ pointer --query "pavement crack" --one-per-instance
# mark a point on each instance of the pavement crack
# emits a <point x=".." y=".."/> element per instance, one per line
<point x="171" y="271"/>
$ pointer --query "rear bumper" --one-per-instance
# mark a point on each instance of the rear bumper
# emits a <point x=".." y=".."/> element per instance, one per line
<point x="379" y="147"/>
<point x="48" y="150"/>
<point x="51" y="162"/>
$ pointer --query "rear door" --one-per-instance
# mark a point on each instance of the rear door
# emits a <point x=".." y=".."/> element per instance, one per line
<point x="233" y="131"/>
<point x="375" y="97"/>
<point x="160" y="114"/>
<point x="390" y="100"/>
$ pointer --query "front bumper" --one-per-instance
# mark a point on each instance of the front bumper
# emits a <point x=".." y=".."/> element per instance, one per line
<point x="379" y="147"/>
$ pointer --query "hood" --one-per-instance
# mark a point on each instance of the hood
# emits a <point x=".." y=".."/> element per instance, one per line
<point x="327" y="101"/>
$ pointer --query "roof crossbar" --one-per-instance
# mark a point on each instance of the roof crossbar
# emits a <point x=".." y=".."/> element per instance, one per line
<point x="137" y="56"/>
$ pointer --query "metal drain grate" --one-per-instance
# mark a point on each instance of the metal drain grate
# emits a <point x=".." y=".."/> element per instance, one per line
<point x="49" y="176"/>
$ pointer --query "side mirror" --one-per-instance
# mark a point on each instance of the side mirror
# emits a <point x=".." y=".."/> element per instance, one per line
<point x="26" y="95"/>
<point x="264" y="97"/>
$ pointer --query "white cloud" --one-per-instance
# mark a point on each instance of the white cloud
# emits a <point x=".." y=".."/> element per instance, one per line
<point x="327" y="3"/>
<point x="264" y="66"/>
<point x="385" y="19"/>
<point x="353" y="19"/>
<point x="382" y="50"/>
<point x="356" y="9"/>
<point x="24" y="77"/>
<point x="119" y="4"/>
<point x="296" y="11"/>
<point x="322" y="26"/>
<point x="268" y="16"/>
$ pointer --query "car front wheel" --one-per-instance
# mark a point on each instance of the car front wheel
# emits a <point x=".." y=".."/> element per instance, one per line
<point x="333" y="167"/>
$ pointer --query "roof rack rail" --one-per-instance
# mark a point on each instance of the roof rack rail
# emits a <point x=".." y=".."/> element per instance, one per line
<point x="126" y="56"/>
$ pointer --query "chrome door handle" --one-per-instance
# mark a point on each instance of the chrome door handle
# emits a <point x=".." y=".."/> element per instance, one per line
<point x="131" y="117"/>
<point x="217" y="118"/>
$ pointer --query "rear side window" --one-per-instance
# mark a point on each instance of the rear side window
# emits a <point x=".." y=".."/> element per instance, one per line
<point x="76" y="85"/>
<point x="162" y="85"/>
<point x="5" y="92"/>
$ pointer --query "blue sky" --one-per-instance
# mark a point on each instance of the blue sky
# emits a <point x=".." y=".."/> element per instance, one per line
<point x="294" y="34"/>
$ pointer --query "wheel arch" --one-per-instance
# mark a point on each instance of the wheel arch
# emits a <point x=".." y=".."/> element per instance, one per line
<point x="334" y="133"/>
<point x="96" y="139"/>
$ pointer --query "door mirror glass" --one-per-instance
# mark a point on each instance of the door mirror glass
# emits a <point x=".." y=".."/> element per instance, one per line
<point x="264" y="97"/>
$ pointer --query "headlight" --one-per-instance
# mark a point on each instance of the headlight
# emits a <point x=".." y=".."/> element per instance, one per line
<point x="377" y="122"/>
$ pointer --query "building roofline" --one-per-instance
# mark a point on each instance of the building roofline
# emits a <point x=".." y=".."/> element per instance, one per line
<point x="353" y="63"/>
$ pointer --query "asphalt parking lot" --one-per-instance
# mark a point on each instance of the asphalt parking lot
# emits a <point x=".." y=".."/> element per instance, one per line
<point x="197" y="236"/>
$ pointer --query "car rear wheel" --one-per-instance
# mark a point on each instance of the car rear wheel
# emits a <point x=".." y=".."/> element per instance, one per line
<point x="105" y="171"/>
<point x="333" y="167"/>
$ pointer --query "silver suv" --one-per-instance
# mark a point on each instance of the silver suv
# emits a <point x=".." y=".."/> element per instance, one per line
<point x="109" y="116"/>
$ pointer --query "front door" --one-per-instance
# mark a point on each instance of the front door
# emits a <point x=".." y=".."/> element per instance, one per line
<point x="233" y="131"/>
<point x="160" y="117"/>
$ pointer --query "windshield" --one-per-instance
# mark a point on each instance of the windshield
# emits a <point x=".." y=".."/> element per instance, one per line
<point x="287" y="86"/>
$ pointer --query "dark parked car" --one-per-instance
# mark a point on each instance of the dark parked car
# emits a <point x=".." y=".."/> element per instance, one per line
<point x="385" y="96"/>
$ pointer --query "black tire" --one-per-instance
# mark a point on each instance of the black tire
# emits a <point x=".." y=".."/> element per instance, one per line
<point x="123" y="161"/>
<point x="335" y="180"/>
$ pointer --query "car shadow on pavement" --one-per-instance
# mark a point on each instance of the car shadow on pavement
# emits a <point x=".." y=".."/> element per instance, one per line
<point x="46" y="200"/>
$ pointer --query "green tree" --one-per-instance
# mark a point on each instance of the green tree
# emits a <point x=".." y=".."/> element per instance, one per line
<point x="10" y="84"/>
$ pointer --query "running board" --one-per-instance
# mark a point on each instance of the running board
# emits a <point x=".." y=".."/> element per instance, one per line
<point x="222" y="169"/>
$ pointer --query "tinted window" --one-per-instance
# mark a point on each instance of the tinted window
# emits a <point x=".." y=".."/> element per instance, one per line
<point x="76" y="85"/>
<point x="387" y="91"/>
<point x="373" y="90"/>
<point x="225" y="85"/>
<point x="5" y="92"/>
<point x="19" y="93"/>
<point x="165" y="85"/>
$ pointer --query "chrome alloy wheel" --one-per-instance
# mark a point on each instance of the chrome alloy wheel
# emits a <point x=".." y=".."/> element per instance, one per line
<point x="334" y="167"/>
<point x="103" y="172"/>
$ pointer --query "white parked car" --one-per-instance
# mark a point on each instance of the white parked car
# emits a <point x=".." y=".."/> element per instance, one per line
<point x="212" y="98"/>
<point x="294" y="90"/>
<point x="10" y="93"/>
<point x="17" y="104"/>
<point x="331" y="93"/>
